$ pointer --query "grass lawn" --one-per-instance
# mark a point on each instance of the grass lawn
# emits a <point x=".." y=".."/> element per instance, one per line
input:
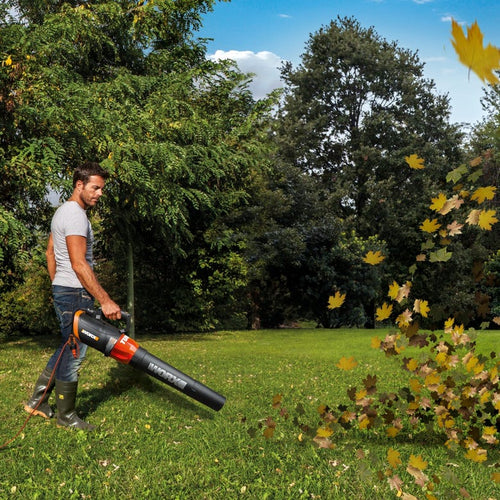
<point x="153" y="442"/>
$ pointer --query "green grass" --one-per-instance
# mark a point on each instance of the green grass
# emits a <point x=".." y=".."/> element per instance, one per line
<point x="153" y="442"/>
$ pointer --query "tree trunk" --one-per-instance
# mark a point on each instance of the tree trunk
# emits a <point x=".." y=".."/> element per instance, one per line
<point x="130" y="289"/>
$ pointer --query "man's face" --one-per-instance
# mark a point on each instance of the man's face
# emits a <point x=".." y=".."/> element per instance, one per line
<point x="91" y="192"/>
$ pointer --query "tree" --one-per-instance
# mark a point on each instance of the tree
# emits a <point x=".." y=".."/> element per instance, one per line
<point x="126" y="82"/>
<point x="354" y="109"/>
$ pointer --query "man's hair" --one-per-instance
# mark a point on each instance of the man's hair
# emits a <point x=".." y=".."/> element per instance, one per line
<point x="86" y="170"/>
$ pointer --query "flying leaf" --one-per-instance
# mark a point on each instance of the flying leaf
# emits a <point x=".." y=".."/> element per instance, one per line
<point x="384" y="312"/>
<point x="404" y="318"/>
<point x="403" y="292"/>
<point x="374" y="258"/>
<point x="441" y="255"/>
<point x="456" y="174"/>
<point x="487" y="219"/>
<point x="415" y="162"/>
<point x="393" y="290"/>
<point x="476" y="161"/>
<point x="482" y="60"/>
<point x="438" y="203"/>
<point x="454" y="228"/>
<point x="336" y="301"/>
<point x="430" y="226"/>
<point x="421" y="307"/>
<point x="483" y="193"/>
<point x="421" y="257"/>
<point x="473" y="217"/>
<point x="375" y="343"/>
<point x="347" y="363"/>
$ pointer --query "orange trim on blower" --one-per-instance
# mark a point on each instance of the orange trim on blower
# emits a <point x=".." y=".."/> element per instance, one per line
<point x="75" y="323"/>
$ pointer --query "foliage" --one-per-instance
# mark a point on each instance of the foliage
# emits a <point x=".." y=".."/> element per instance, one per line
<point x="23" y="310"/>
<point x="126" y="83"/>
<point x="355" y="110"/>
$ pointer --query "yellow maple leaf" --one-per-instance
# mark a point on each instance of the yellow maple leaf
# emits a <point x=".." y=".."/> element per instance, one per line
<point x="415" y="162"/>
<point x="392" y="431"/>
<point x="438" y="203"/>
<point x="412" y="364"/>
<point x="483" y="193"/>
<point x="482" y="60"/>
<point x="495" y="477"/>
<point x="336" y="301"/>
<point x="393" y="290"/>
<point x="421" y="257"/>
<point x="418" y="462"/>
<point x="374" y="258"/>
<point x="347" y="363"/>
<point x="324" y="432"/>
<point x="393" y="457"/>
<point x="364" y="422"/>
<point x="477" y="455"/>
<point x="430" y="226"/>
<point x="376" y="343"/>
<point x="8" y="61"/>
<point x="421" y="307"/>
<point x="415" y="385"/>
<point x="384" y="312"/>
<point x="448" y="325"/>
<point x="487" y="219"/>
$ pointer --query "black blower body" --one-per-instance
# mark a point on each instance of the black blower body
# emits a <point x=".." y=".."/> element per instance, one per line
<point x="111" y="341"/>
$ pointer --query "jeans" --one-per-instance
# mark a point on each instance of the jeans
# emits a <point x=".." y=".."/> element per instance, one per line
<point x="66" y="302"/>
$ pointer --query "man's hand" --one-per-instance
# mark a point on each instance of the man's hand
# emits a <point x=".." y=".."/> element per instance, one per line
<point x="111" y="310"/>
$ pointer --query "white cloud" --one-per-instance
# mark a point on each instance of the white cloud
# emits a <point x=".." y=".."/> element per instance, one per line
<point x="285" y="16"/>
<point x="264" y="65"/>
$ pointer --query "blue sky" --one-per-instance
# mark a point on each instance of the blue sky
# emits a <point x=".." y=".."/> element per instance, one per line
<point x="259" y="34"/>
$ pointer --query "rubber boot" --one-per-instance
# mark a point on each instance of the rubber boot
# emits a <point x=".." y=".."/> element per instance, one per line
<point x="38" y="403"/>
<point x="66" y="414"/>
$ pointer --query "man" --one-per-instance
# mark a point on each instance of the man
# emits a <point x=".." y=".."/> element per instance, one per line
<point x="74" y="287"/>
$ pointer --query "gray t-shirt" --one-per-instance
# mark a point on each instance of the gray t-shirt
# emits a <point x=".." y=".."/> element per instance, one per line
<point x="70" y="219"/>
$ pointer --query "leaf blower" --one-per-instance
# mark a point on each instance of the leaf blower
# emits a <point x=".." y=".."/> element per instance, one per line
<point x="111" y="341"/>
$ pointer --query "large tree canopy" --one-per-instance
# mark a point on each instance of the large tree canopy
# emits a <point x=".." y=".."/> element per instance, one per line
<point x="126" y="83"/>
<point x="355" y="107"/>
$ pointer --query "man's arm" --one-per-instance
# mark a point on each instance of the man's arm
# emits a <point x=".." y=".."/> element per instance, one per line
<point x="51" y="258"/>
<point x="77" y="247"/>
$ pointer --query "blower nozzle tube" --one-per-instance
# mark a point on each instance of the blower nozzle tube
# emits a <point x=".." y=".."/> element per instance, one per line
<point x="115" y="343"/>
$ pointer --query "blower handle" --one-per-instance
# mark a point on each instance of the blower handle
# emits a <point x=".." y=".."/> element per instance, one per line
<point x="98" y="314"/>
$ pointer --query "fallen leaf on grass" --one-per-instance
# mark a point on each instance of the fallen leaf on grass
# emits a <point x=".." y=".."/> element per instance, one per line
<point x="347" y="363"/>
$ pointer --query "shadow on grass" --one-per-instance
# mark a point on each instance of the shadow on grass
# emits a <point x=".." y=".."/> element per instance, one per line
<point x="123" y="379"/>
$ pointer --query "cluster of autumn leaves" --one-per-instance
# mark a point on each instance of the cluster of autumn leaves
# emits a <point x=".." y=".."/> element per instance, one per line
<point x="450" y="388"/>
<point x="438" y="235"/>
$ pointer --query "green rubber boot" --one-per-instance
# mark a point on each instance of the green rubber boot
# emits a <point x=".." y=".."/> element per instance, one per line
<point x="66" y="414"/>
<point x="38" y="403"/>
